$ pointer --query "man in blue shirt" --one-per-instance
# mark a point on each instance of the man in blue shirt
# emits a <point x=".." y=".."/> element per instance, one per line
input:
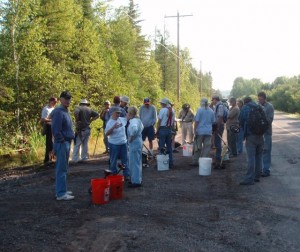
<point x="148" y="117"/>
<point x="62" y="129"/>
<point x="254" y="145"/>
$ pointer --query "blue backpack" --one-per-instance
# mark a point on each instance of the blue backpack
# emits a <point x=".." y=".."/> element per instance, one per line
<point x="225" y="113"/>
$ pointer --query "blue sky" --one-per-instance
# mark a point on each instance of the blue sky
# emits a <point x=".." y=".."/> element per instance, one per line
<point x="232" y="38"/>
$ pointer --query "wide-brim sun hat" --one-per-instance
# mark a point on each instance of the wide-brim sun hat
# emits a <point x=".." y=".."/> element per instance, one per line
<point x="115" y="110"/>
<point x="124" y="98"/>
<point x="84" y="101"/>
<point x="164" y="101"/>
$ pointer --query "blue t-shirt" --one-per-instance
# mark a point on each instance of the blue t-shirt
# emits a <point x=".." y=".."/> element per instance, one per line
<point x="205" y="118"/>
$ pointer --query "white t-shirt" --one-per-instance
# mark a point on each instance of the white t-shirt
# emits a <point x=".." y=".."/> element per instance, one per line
<point x="46" y="112"/>
<point x="118" y="135"/>
<point x="163" y="116"/>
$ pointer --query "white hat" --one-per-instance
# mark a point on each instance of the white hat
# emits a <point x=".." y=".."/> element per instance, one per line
<point x="84" y="101"/>
<point x="164" y="101"/>
<point x="124" y="98"/>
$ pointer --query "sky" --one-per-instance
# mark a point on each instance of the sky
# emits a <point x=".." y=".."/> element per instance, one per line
<point x="231" y="38"/>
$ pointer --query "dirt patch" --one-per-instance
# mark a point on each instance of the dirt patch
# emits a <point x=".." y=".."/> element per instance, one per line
<point x="175" y="210"/>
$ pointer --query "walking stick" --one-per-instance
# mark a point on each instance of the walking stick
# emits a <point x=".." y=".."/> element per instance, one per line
<point x="99" y="129"/>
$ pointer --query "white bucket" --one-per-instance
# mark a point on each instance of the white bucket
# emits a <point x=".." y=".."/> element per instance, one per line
<point x="162" y="162"/>
<point x="205" y="166"/>
<point x="187" y="150"/>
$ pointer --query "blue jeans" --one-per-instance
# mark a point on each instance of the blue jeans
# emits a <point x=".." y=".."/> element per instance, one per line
<point x="218" y="142"/>
<point x="254" y="147"/>
<point x="240" y="141"/>
<point x="115" y="152"/>
<point x="267" y="153"/>
<point x="62" y="152"/>
<point x="165" y="140"/>
<point x="135" y="160"/>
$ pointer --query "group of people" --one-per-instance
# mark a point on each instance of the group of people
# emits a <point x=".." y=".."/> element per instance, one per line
<point x="126" y="128"/>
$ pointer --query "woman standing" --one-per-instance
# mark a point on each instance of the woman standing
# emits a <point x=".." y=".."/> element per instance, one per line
<point x="115" y="131"/>
<point x="135" y="143"/>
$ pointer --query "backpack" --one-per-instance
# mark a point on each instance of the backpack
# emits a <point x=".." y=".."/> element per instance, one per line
<point x="257" y="120"/>
<point x="225" y="113"/>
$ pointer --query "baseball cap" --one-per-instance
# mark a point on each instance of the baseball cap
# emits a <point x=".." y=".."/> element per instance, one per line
<point x="146" y="101"/>
<point x="203" y="102"/>
<point x="66" y="94"/>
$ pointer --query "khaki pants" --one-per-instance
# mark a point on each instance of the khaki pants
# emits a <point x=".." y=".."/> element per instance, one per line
<point x="201" y="147"/>
<point x="187" y="131"/>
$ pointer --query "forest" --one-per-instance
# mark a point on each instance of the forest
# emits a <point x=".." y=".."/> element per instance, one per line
<point x="96" y="52"/>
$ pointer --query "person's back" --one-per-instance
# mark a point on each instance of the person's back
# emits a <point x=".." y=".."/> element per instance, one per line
<point x="205" y="117"/>
<point x="85" y="114"/>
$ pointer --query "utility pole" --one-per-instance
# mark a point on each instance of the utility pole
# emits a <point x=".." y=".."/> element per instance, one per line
<point x="178" y="52"/>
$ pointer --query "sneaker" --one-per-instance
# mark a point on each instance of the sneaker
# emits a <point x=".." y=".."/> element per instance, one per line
<point x="65" y="197"/>
<point x="69" y="192"/>
<point x="134" y="185"/>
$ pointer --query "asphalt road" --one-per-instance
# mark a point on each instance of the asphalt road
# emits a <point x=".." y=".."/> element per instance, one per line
<point x="282" y="189"/>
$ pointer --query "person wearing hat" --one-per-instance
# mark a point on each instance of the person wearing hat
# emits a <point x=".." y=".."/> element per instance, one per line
<point x="148" y="116"/>
<point x="62" y="130"/>
<point x="219" y="129"/>
<point x="204" y="120"/>
<point x="117" y="102"/>
<point x="232" y="120"/>
<point x="46" y="121"/>
<point x="117" y="141"/>
<point x="186" y="118"/>
<point x="104" y="115"/>
<point x="124" y="101"/>
<point x="84" y="115"/>
<point x="164" y="128"/>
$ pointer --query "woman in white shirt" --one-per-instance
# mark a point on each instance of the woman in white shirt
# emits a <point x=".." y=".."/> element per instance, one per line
<point x="115" y="131"/>
<point x="135" y="144"/>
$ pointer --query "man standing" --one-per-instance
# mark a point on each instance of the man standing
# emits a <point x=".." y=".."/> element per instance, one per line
<point x="105" y="117"/>
<point x="164" y="128"/>
<point x="84" y="115"/>
<point x="254" y="145"/>
<point x="124" y="101"/>
<point x="232" y="121"/>
<point x="204" y="120"/>
<point x="63" y="134"/>
<point x="269" y="111"/>
<point x="186" y="118"/>
<point x="148" y="116"/>
<point x="117" y="103"/>
<point x="46" y="121"/>
<point x="218" y="131"/>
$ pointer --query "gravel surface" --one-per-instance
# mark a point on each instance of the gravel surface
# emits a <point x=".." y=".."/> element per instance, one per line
<point x="175" y="210"/>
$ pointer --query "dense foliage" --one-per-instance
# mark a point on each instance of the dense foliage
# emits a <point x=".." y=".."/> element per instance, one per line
<point x="88" y="48"/>
<point x="284" y="92"/>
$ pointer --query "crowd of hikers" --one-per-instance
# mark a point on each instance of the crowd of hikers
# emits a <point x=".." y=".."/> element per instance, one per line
<point x="127" y="127"/>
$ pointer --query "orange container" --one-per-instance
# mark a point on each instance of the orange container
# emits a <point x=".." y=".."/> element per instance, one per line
<point x="116" y="186"/>
<point x="100" y="191"/>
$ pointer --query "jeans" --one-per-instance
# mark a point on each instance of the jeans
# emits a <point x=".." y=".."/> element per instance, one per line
<point x="165" y="140"/>
<point x="49" y="143"/>
<point x="254" y="147"/>
<point x="62" y="151"/>
<point x="115" y="152"/>
<point x="105" y="141"/>
<point x="202" y="145"/>
<point x="81" y="141"/>
<point x="267" y="153"/>
<point x="218" y="142"/>
<point x="240" y="141"/>
<point x="231" y="140"/>
<point x="135" y="160"/>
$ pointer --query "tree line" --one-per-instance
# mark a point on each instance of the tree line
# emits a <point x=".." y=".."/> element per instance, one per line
<point x="283" y="92"/>
<point x="89" y="48"/>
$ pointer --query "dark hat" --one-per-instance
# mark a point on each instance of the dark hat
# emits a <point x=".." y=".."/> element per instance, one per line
<point x="115" y="109"/>
<point x="66" y="94"/>
<point x="146" y="101"/>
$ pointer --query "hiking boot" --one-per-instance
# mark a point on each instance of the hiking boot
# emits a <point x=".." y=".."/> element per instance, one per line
<point x="256" y="180"/>
<point x="65" y="197"/>
<point x="134" y="185"/>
